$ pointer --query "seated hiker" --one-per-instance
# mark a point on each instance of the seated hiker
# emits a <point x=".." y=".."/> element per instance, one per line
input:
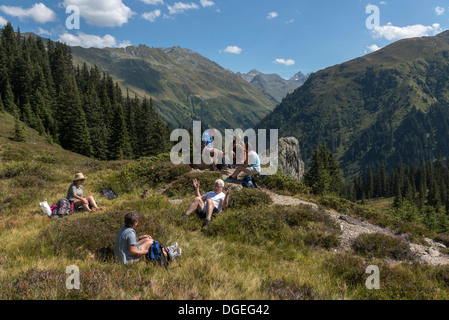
<point x="237" y="151"/>
<point x="207" y="147"/>
<point x="209" y="203"/>
<point x="75" y="195"/>
<point x="251" y="166"/>
<point x="128" y="248"/>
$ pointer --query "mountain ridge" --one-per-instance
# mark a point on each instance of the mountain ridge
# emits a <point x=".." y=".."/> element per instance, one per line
<point x="365" y="108"/>
<point x="274" y="86"/>
<point x="183" y="84"/>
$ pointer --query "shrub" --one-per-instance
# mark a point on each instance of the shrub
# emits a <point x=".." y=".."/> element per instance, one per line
<point x="279" y="224"/>
<point x="290" y="290"/>
<point x="95" y="283"/>
<point x="284" y="184"/>
<point x="80" y="236"/>
<point x="29" y="168"/>
<point x="183" y="185"/>
<point x="443" y="238"/>
<point x="147" y="171"/>
<point x="349" y="268"/>
<point x="381" y="246"/>
<point x="246" y="197"/>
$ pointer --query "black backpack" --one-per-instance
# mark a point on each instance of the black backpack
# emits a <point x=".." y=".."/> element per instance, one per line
<point x="109" y="193"/>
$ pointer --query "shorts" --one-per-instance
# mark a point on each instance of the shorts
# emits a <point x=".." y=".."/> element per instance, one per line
<point x="251" y="171"/>
<point x="203" y="212"/>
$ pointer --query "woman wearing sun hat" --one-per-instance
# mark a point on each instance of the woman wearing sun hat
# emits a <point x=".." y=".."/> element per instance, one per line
<point x="75" y="195"/>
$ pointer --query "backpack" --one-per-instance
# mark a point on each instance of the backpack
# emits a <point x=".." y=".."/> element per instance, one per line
<point x="64" y="208"/>
<point x="155" y="254"/>
<point x="248" y="181"/>
<point x="109" y="193"/>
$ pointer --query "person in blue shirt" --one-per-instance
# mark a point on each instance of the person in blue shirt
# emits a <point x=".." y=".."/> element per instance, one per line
<point x="207" y="146"/>
<point x="128" y="248"/>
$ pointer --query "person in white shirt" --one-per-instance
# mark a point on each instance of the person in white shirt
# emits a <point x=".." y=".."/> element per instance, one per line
<point x="208" y="204"/>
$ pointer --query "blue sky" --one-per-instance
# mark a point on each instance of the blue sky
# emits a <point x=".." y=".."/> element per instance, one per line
<point x="283" y="37"/>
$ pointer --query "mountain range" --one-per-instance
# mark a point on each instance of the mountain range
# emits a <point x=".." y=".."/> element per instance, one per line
<point x="274" y="87"/>
<point x="389" y="106"/>
<point x="184" y="85"/>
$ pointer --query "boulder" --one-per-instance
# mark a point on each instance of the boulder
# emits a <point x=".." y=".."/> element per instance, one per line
<point x="289" y="159"/>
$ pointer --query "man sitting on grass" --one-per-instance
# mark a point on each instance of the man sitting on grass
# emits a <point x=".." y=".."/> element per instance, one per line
<point x="208" y="204"/>
<point x="128" y="249"/>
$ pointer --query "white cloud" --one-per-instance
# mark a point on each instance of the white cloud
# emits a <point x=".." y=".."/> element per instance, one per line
<point x="439" y="11"/>
<point x="384" y="3"/>
<point x="125" y="44"/>
<point x="43" y="32"/>
<point x="103" y="13"/>
<point x="288" y="62"/>
<point x="180" y="7"/>
<point x="393" y="33"/>
<point x="152" y="16"/>
<point x="3" y="21"/>
<point x="233" y="49"/>
<point x="207" y="3"/>
<point x="153" y="2"/>
<point x="272" y="15"/>
<point x="39" y="12"/>
<point x="374" y="47"/>
<point x="290" y="21"/>
<point x="88" y="40"/>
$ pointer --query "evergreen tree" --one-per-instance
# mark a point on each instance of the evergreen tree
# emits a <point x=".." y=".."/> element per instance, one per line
<point x="119" y="146"/>
<point x="324" y="176"/>
<point x="19" y="130"/>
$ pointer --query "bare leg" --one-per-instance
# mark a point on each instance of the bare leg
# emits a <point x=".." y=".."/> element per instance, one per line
<point x="197" y="204"/>
<point x="237" y="171"/>
<point x="209" y="208"/>
<point x="93" y="203"/>
<point x="83" y="203"/>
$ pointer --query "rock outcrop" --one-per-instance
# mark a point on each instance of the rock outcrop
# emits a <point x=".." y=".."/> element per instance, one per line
<point x="289" y="160"/>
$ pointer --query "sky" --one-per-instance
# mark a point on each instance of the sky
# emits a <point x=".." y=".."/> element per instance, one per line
<point x="282" y="37"/>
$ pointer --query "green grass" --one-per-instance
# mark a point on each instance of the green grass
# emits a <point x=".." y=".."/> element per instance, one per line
<point x="253" y="249"/>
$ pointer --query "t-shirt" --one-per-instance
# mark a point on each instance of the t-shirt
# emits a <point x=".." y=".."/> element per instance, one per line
<point x="74" y="190"/>
<point x="254" y="160"/>
<point x="125" y="237"/>
<point x="217" y="198"/>
<point x="207" y="138"/>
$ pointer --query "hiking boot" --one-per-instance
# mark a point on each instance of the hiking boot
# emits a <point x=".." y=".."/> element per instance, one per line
<point x="172" y="247"/>
<point x="174" y="255"/>
<point x="206" y="224"/>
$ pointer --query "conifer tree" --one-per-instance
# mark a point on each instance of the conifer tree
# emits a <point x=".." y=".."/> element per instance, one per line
<point x="324" y="175"/>
<point x="19" y="130"/>
<point x="119" y="146"/>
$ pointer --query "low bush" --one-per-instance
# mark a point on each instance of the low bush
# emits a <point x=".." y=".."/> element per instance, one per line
<point x="277" y="224"/>
<point x="284" y="184"/>
<point x="290" y="290"/>
<point x="382" y="246"/>
<point x="246" y="198"/>
<point x="147" y="171"/>
<point x="28" y="168"/>
<point x="77" y="237"/>
<point x="96" y="283"/>
<point x="183" y="185"/>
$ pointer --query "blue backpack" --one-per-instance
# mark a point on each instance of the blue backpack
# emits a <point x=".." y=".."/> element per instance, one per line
<point x="248" y="181"/>
<point x="155" y="254"/>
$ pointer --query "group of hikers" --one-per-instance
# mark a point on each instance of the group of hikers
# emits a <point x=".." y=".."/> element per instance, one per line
<point x="128" y="248"/>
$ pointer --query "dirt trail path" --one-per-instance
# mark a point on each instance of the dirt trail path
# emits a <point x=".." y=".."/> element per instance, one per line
<point x="352" y="227"/>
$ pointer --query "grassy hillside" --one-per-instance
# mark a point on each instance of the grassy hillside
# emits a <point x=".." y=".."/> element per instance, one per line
<point x="387" y="106"/>
<point x="183" y="84"/>
<point x="253" y="250"/>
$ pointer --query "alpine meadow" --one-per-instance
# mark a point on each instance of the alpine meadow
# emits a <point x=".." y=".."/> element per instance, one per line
<point x="93" y="207"/>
